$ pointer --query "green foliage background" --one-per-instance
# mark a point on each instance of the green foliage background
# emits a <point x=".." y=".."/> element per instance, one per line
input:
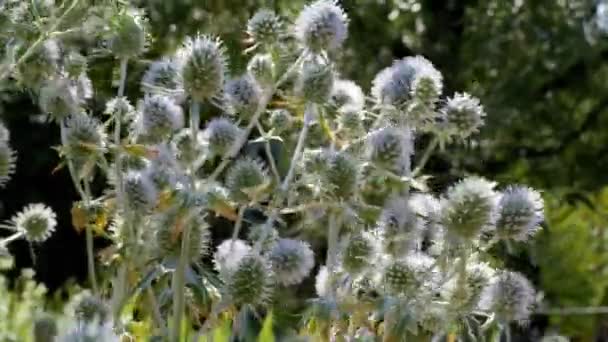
<point x="539" y="75"/>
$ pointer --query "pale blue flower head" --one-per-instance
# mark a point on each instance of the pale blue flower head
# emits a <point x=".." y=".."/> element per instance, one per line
<point x="520" y="211"/>
<point x="292" y="261"/>
<point x="510" y="296"/>
<point x="322" y="25"/>
<point x="204" y="67"/>
<point x="242" y="96"/>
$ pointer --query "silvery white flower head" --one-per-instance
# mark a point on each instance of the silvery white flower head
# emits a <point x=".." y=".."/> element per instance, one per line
<point x="428" y="209"/>
<point x="242" y="96"/>
<point x="520" y="211"/>
<point x="164" y="77"/>
<point x="261" y="67"/>
<point x="390" y="148"/>
<point x="315" y="80"/>
<point x="468" y="208"/>
<point x="59" y="98"/>
<point x="160" y="117"/>
<point x="394" y="85"/>
<point x="8" y="159"/>
<point x="510" y="296"/>
<point x="322" y="25"/>
<point x="464" y="297"/>
<point x="399" y="227"/>
<point x="221" y="135"/>
<point x="461" y="116"/>
<point x="250" y="282"/>
<point x="36" y="221"/>
<point x="347" y="96"/>
<point x="292" y="261"/>
<point x="204" y="67"/>
<point x="265" y="27"/>
<point x="228" y="254"/>
<point x="410" y="276"/>
<point x="140" y="191"/>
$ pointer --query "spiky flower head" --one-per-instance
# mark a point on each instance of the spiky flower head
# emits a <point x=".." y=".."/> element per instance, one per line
<point x="292" y="261"/>
<point x="59" y="98"/>
<point x="399" y="226"/>
<point x="120" y="107"/>
<point x="262" y="69"/>
<point x="128" y="37"/>
<point x="462" y="115"/>
<point x="189" y="151"/>
<point x="358" y="252"/>
<point x="391" y="148"/>
<point x="428" y="209"/>
<point x="347" y="96"/>
<point x="469" y="207"/>
<point x="315" y="81"/>
<point x="163" y="169"/>
<point x="228" y="255"/>
<point x="395" y="85"/>
<point x="408" y="276"/>
<point x="265" y="27"/>
<point x="41" y="65"/>
<point x="264" y="234"/>
<point x="520" y="211"/>
<point x="160" y="116"/>
<point x="510" y="296"/>
<point x="89" y="308"/>
<point x="204" y="67"/>
<point x="244" y="177"/>
<point x="36" y="221"/>
<point x="322" y="25"/>
<point x="464" y="296"/>
<point x="250" y="282"/>
<point x="221" y="135"/>
<point x="8" y="159"/>
<point x="140" y="191"/>
<point x="280" y="120"/>
<point x="242" y="96"/>
<point x="170" y="231"/>
<point x="341" y="173"/>
<point x="83" y="139"/>
<point x="164" y="77"/>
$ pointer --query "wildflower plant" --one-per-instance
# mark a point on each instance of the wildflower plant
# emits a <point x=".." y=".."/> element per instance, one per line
<point x="396" y="259"/>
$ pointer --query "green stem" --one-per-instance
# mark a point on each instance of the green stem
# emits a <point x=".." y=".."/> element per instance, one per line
<point x="194" y="127"/>
<point x="425" y="157"/>
<point x="309" y="115"/>
<point x="11" y="238"/>
<point x="268" y="151"/>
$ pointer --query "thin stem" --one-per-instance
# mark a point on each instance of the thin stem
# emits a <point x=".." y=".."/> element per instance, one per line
<point x="507" y="330"/>
<point x="425" y="157"/>
<point x="290" y="71"/>
<point x="156" y="314"/>
<point x="332" y="241"/>
<point x="273" y="165"/>
<point x="238" y="224"/>
<point x="38" y="41"/>
<point x="11" y="238"/>
<point x="194" y="127"/>
<point x="297" y="154"/>
<point x="123" y="77"/>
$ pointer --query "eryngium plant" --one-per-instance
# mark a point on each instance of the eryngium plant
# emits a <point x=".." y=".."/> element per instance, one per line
<point x="298" y="150"/>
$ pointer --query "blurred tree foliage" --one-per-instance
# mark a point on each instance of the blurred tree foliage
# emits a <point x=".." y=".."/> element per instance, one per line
<point x="538" y="68"/>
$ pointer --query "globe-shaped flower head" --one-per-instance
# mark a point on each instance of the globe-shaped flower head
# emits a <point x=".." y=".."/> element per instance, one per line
<point x="204" y="67"/>
<point x="265" y="27"/>
<point x="520" y="211"/>
<point x="510" y="296"/>
<point x="399" y="226"/>
<point x="244" y="177"/>
<point x="59" y="98"/>
<point x="250" y="282"/>
<point x="462" y="115"/>
<point x="169" y="235"/>
<point x="164" y="77"/>
<point x="347" y="96"/>
<point x="395" y="85"/>
<point x="315" y="81"/>
<point x="128" y="38"/>
<point x="84" y="139"/>
<point x="262" y="68"/>
<point x="242" y="96"/>
<point x="341" y="173"/>
<point x="221" y="136"/>
<point x="160" y="117"/>
<point x="140" y="191"/>
<point x="358" y="252"/>
<point x="8" y="159"/>
<point x="408" y="276"/>
<point x="228" y="255"/>
<point x="292" y="261"/>
<point x="390" y="148"/>
<point x="322" y="25"/>
<point x="37" y="222"/>
<point x="469" y="207"/>
<point x="41" y="65"/>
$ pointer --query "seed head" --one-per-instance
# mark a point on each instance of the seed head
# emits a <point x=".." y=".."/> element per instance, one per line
<point x="128" y="39"/>
<point x="8" y="160"/>
<point x="391" y="148"/>
<point x="510" y="296"/>
<point x="462" y="115"/>
<point x="520" y="211"/>
<point x="221" y="135"/>
<point x="36" y="221"/>
<point x="244" y="176"/>
<point x="315" y="81"/>
<point x="469" y="207"/>
<point x="347" y="96"/>
<point x="261" y="68"/>
<point x="265" y="27"/>
<point x="204" y="67"/>
<point x="164" y="77"/>
<point x="140" y="191"/>
<point x="322" y="25"/>
<point x="228" y="254"/>
<point x="242" y="96"/>
<point x="251" y="281"/>
<point x="160" y="117"/>
<point x="292" y="261"/>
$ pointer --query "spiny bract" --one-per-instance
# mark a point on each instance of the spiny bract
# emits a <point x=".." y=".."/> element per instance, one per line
<point x="36" y="221"/>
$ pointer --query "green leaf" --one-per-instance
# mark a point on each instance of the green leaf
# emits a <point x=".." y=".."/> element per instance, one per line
<point x="266" y="335"/>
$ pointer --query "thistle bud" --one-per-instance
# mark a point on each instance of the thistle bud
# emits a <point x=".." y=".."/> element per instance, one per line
<point x="242" y="96"/>
<point x="37" y="222"/>
<point x="204" y="67"/>
<point x="8" y="159"/>
<point x="390" y="148"/>
<point x="140" y="191"/>
<point x="292" y="261"/>
<point x="510" y="296"/>
<point x="265" y="27"/>
<point x="128" y="39"/>
<point x="261" y="68"/>
<point x="250" y="282"/>
<point x="315" y="81"/>
<point x="462" y="115"/>
<point x="189" y="151"/>
<point x="244" y="177"/>
<point x="341" y="173"/>
<point x="469" y="207"/>
<point x="160" y="117"/>
<point x="221" y="136"/>
<point x="322" y="25"/>
<point x="464" y="296"/>
<point x="169" y="235"/>
<point x="520" y="211"/>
